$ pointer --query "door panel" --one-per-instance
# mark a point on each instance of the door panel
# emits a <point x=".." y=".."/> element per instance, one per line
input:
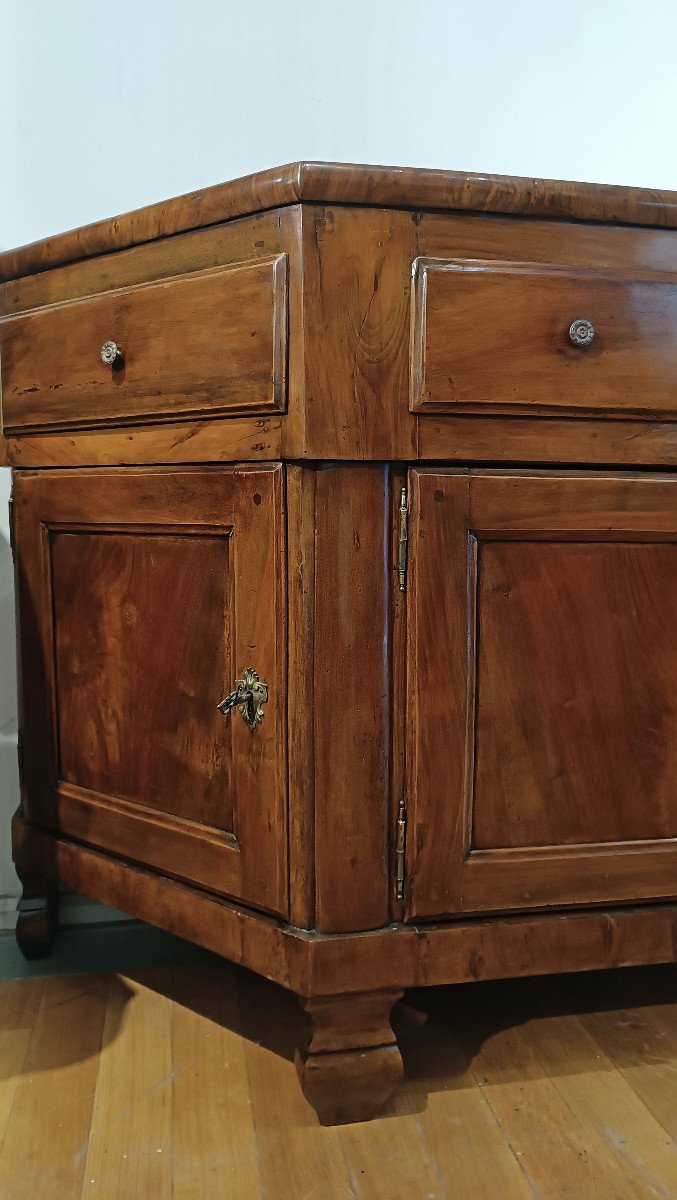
<point x="143" y="595"/>
<point x="153" y="736"/>
<point x="572" y="650"/>
<point x="542" y="681"/>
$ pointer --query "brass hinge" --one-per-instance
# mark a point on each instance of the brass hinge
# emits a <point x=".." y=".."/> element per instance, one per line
<point x="403" y="540"/>
<point x="12" y="536"/>
<point x="400" y="847"/>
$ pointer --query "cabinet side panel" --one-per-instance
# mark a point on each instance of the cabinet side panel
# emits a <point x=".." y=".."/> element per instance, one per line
<point x="351" y="697"/>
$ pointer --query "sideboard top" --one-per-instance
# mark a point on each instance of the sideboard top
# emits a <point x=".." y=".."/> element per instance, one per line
<point x="344" y="183"/>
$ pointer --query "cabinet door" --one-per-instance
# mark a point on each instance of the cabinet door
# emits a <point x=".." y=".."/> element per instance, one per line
<point x="143" y="596"/>
<point x="542" y="690"/>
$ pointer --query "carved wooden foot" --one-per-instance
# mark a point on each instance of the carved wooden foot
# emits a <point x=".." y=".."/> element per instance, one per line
<point x="38" y="917"/>
<point x="349" y="1062"/>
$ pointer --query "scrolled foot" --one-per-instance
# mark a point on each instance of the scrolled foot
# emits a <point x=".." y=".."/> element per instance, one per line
<point x="38" y="916"/>
<point x="349" y="1063"/>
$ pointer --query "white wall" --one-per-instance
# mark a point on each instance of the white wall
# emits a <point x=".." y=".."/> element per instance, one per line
<point x="105" y="107"/>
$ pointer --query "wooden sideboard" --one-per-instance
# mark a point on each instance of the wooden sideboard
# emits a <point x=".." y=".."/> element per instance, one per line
<point x="345" y="520"/>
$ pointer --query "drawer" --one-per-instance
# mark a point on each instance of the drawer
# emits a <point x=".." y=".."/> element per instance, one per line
<point x="500" y="337"/>
<point x="207" y="343"/>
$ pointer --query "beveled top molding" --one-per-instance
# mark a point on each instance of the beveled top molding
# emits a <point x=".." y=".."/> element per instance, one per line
<point x="344" y="183"/>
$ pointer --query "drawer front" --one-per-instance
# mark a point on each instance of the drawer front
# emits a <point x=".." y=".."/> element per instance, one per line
<point x="209" y="343"/>
<point x="495" y="336"/>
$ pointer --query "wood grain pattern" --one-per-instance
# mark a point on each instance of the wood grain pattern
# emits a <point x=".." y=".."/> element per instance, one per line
<point x="591" y="714"/>
<point x="250" y="239"/>
<point x="116" y="592"/>
<point x="559" y="441"/>
<point x="519" y="696"/>
<point x="228" y="439"/>
<point x="125" y="746"/>
<point x="356" y="287"/>
<point x="345" y="183"/>
<point x="202" y="343"/>
<point x="66" y="1037"/>
<point x="541" y="673"/>
<point x="313" y="964"/>
<point x="313" y="1158"/>
<point x="438" y="689"/>
<point x="134" y="1156"/>
<point x="20" y="1003"/>
<point x="446" y="438"/>
<point x="561" y="1086"/>
<point x="351" y="697"/>
<point x="213" y="1131"/>
<point x="260" y="238"/>
<point x="349" y="285"/>
<point x="496" y="335"/>
<point x="349" y="1064"/>
<point x="300" y="498"/>
<point x="619" y="249"/>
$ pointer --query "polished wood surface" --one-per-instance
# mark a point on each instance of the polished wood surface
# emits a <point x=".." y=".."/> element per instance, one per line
<point x="263" y="237"/>
<point x="562" y="441"/>
<point x="559" y="690"/>
<point x="350" y="354"/>
<point x="351" y="713"/>
<point x="38" y="915"/>
<point x="470" y="715"/>
<point x="495" y="336"/>
<point x="143" y="597"/>
<point x="356" y="297"/>
<point x="346" y="183"/>
<point x="116" y="594"/>
<point x="554" y="1087"/>
<point x="314" y="964"/>
<point x="206" y="342"/>
<point x="227" y="439"/>
<point x="542" y="663"/>
<point x="349" y="1063"/>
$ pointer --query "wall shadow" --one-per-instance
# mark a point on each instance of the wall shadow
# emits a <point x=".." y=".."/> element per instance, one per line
<point x="440" y="1030"/>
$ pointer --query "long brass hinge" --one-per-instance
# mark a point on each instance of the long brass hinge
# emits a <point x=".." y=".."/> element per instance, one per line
<point x="400" y="847"/>
<point x="12" y="536"/>
<point x="403" y="540"/>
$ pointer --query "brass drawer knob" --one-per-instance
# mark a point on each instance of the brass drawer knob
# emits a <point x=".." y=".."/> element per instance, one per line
<point x="112" y="355"/>
<point x="581" y="332"/>
<point x="248" y="696"/>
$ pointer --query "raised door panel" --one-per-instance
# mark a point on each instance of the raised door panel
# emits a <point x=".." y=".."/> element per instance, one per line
<point x="542" y="683"/>
<point x="143" y="595"/>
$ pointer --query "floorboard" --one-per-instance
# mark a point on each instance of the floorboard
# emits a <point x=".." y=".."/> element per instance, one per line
<point x="177" y="1082"/>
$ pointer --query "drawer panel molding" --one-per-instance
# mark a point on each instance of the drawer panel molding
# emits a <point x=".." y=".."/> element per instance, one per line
<point x="207" y="343"/>
<point x="489" y="336"/>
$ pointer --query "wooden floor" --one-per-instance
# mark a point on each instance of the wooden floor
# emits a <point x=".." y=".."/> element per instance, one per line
<point x="178" y="1084"/>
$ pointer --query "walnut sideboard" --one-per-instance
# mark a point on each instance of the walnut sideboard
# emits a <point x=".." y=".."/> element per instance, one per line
<point x="345" y="519"/>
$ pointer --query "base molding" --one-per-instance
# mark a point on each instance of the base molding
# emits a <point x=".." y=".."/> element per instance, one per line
<point x="393" y="958"/>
